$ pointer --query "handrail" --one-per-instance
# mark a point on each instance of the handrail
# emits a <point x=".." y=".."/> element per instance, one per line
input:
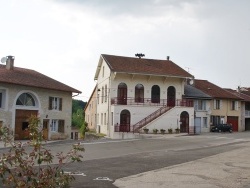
<point x="150" y="118"/>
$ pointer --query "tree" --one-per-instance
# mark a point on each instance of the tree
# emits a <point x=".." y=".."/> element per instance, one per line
<point x="22" y="168"/>
<point x="78" y="118"/>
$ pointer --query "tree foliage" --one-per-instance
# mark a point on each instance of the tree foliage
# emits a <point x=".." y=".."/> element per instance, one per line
<point x="31" y="166"/>
<point x="78" y="113"/>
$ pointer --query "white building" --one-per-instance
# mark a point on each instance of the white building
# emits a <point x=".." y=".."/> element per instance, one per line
<point x="134" y="93"/>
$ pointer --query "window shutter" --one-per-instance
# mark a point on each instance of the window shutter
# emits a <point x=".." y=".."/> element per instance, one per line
<point x="61" y="126"/>
<point x="50" y="103"/>
<point x="60" y="104"/>
<point x="236" y="105"/>
<point x="214" y="104"/>
<point x="220" y="104"/>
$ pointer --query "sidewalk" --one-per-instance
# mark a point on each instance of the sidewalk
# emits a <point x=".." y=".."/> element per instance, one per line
<point x="226" y="170"/>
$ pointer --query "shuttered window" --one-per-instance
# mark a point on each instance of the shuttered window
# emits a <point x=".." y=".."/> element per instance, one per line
<point x="55" y="103"/>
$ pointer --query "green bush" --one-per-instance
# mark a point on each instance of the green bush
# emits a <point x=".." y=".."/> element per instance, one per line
<point x="28" y="167"/>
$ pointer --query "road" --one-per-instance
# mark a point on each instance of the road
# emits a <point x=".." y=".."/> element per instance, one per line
<point x="108" y="160"/>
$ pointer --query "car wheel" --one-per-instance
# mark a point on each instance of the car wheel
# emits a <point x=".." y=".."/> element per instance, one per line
<point x="219" y="131"/>
<point x="230" y="130"/>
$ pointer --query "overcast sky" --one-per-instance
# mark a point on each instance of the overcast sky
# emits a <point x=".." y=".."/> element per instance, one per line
<point x="64" y="38"/>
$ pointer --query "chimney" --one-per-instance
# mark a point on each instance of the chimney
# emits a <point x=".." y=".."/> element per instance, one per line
<point x="10" y="62"/>
<point x="168" y="58"/>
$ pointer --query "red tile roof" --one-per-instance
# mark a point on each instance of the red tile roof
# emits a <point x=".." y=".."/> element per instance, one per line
<point x="239" y="94"/>
<point x="144" y="66"/>
<point x="28" y="77"/>
<point x="214" y="90"/>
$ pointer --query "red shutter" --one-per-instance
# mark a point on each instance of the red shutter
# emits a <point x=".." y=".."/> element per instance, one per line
<point x="61" y="126"/>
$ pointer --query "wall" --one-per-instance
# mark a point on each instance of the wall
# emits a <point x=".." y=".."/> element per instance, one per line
<point x="42" y="95"/>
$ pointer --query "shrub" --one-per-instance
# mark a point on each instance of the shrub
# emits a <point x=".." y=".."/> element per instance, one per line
<point x="20" y="167"/>
<point x="155" y="131"/>
<point x="170" y="131"/>
<point x="163" y="131"/>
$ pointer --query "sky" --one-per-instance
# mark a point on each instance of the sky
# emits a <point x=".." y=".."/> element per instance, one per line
<point x="64" y="39"/>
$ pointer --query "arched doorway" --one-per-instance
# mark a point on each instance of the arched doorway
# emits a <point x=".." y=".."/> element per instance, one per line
<point x="26" y="104"/>
<point x="155" y="94"/>
<point x="122" y="94"/>
<point x="184" y="122"/>
<point x="139" y="93"/>
<point x="125" y="121"/>
<point x="171" y="96"/>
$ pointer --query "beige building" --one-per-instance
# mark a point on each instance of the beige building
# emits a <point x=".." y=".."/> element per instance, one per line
<point x="25" y="92"/>
<point x="90" y="110"/>
<point x="225" y="107"/>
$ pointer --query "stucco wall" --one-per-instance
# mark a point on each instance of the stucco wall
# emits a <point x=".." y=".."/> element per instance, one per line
<point x="42" y="102"/>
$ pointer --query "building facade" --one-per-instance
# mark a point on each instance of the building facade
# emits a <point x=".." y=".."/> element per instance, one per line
<point x="137" y="93"/>
<point x="24" y="92"/>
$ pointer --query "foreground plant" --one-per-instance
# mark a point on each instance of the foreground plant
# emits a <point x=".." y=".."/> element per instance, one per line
<point x="31" y="165"/>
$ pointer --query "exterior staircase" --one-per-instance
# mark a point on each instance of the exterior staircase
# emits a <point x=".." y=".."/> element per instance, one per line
<point x="150" y="118"/>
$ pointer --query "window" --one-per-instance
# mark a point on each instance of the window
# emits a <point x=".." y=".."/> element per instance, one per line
<point x="54" y="125"/>
<point x="105" y="93"/>
<point x="25" y="99"/>
<point x="55" y="103"/>
<point x="2" y="98"/>
<point x="105" y="119"/>
<point x="103" y="71"/>
<point x="217" y="104"/>
<point x="234" y="105"/>
<point x="102" y="93"/>
<point x="205" y="122"/>
<point x="200" y="105"/>
<point x="101" y="118"/>
<point x="98" y="98"/>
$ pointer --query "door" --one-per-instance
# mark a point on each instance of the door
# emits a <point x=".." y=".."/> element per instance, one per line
<point x="22" y="122"/>
<point x="125" y="121"/>
<point x="197" y="125"/>
<point x="122" y="94"/>
<point x="184" y="121"/>
<point x="234" y="121"/>
<point x="171" y="96"/>
<point x="45" y="129"/>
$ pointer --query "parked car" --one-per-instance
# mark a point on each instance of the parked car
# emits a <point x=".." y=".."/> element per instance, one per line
<point x="222" y="128"/>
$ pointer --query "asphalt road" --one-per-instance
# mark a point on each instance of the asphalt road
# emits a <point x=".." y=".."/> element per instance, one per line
<point x="108" y="160"/>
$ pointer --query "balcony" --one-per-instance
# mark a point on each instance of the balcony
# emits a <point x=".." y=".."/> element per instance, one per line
<point x="149" y="102"/>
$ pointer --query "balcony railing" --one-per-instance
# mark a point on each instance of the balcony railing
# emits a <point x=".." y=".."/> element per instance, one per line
<point x="149" y="102"/>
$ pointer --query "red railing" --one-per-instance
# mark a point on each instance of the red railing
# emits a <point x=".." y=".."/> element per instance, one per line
<point x="150" y="118"/>
<point x="149" y="102"/>
<point x="136" y="127"/>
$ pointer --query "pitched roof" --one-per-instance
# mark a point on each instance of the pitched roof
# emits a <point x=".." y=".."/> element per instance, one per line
<point x="144" y="66"/>
<point x="28" y="77"/>
<point x="246" y="90"/>
<point x="214" y="90"/>
<point x="194" y="93"/>
<point x="239" y="94"/>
